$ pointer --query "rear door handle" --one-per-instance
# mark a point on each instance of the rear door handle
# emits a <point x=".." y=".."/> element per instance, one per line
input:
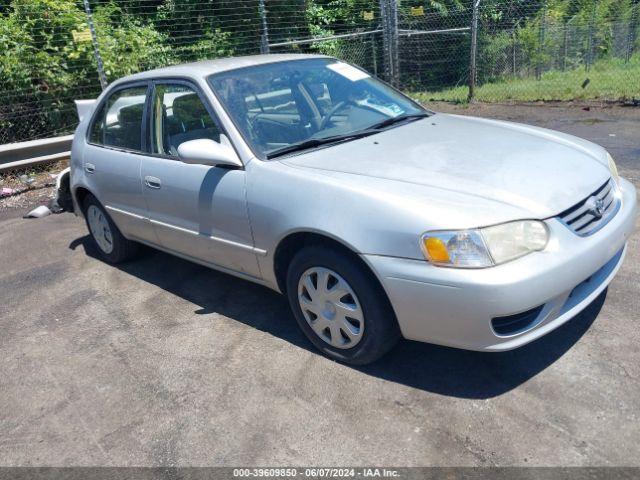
<point x="152" y="182"/>
<point x="89" y="167"/>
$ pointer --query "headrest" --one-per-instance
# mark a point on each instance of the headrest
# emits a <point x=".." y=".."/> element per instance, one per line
<point x="188" y="108"/>
<point x="131" y="113"/>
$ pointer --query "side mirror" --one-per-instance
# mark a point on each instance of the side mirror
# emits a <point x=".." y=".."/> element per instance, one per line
<point x="205" y="151"/>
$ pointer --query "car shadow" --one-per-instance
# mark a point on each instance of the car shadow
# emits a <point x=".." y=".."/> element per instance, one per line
<point x="442" y="370"/>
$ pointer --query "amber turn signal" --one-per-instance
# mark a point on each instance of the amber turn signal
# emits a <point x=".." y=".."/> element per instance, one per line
<point x="436" y="250"/>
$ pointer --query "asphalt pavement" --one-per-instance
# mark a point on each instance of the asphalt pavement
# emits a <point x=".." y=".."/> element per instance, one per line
<point x="163" y="362"/>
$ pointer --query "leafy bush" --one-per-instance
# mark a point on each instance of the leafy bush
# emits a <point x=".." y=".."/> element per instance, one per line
<point x="215" y="44"/>
<point x="43" y="68"/>
<point x="127" y="45"/>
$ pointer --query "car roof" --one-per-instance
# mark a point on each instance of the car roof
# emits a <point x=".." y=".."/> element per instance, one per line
<point x="207" y="67"/>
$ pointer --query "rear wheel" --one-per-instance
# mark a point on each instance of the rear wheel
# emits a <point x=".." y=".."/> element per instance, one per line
<point x="339" y="305"/>
<point x="111" y="244"/>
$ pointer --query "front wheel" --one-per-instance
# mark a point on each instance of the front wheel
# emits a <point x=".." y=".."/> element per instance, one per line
<point x="340" y="306"/>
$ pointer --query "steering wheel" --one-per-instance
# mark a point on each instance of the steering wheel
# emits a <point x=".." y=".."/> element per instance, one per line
<point x="327" y="116"/>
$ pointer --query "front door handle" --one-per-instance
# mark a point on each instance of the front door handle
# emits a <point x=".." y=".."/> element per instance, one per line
<point x="152" y="182"/>
<point x="89" y="167"/>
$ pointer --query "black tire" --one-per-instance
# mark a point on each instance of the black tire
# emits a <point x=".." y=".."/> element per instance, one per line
<point x="381" y="331"/>
<point x="123" y="249"/>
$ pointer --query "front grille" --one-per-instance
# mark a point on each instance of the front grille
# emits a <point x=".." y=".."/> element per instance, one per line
<point x="582" y="218"/>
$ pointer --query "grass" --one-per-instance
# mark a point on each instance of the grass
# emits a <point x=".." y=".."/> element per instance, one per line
<point x="611" y="79"/>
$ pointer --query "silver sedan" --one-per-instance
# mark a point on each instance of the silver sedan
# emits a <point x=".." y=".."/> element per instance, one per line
<point x="375" y="217"/>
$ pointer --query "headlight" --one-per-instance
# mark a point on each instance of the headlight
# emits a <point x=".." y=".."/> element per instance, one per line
<point x="484" y="247"/>
<point x="613" y="169"/>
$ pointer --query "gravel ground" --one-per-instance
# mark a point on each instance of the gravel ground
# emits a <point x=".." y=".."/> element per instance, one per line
<point x="21" y="196"/>
<point x="163" y="362"/>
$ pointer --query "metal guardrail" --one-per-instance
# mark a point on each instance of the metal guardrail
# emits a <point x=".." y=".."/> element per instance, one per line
<point x="34" y="152"/>
<point x="45" y="150"/>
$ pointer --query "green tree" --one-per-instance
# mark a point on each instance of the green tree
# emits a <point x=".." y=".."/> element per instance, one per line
<point x="43" y="67"/>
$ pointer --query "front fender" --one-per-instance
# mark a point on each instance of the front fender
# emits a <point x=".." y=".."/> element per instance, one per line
<point x="368" y="215"/>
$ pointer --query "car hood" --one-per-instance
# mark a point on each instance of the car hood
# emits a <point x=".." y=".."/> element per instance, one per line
<point x="541" y="172"/>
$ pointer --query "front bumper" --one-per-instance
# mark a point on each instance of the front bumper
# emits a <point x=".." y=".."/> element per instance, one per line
<point x="454" y="307"/>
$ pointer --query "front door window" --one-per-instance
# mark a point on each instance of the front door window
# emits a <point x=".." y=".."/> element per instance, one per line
<point x="179" y="116"/>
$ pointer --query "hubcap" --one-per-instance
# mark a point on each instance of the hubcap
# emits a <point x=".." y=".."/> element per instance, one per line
<point x="330" y="307"/>
<point x="100" y="229"/>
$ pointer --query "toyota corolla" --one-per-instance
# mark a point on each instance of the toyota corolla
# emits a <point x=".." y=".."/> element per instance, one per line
<point x="377" y="218"/>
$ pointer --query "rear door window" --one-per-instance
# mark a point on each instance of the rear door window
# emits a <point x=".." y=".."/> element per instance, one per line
<point x="119" y="122"/>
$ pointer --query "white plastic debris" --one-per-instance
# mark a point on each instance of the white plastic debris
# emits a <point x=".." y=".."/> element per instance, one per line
<point x="38" y="212"/>
<point x="6" y="191"/>
<point x="27" y="180"/>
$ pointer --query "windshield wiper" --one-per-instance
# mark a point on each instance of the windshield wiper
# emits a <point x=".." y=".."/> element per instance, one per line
<point x="400" y="118"/>
<point x="333" y="139"/>
<point x="316" y="142"/>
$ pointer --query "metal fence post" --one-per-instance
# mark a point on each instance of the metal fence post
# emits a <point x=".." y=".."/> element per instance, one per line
<point x="474" y="48"/>
<point x="564" y="46"/>
<point x="384" y="20"/>
<point x="264" y="36"/>
<point x="394" y="43"/>
<point x="513" y="52"/>
<point x="389" y="17"/>
<point x="633" y="29"/>
<point x="96" y="47"/>
<point x="374" y="54"/>
<point x="541" y="41"/>
<point x="590" y="38"/>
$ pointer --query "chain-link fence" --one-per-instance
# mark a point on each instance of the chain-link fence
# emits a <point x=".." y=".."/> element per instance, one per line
<point x="545" y="54"/>
<point x="55" y="51"/>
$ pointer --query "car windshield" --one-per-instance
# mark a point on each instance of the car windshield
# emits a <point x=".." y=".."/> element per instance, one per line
<point x="296" y="105"/>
